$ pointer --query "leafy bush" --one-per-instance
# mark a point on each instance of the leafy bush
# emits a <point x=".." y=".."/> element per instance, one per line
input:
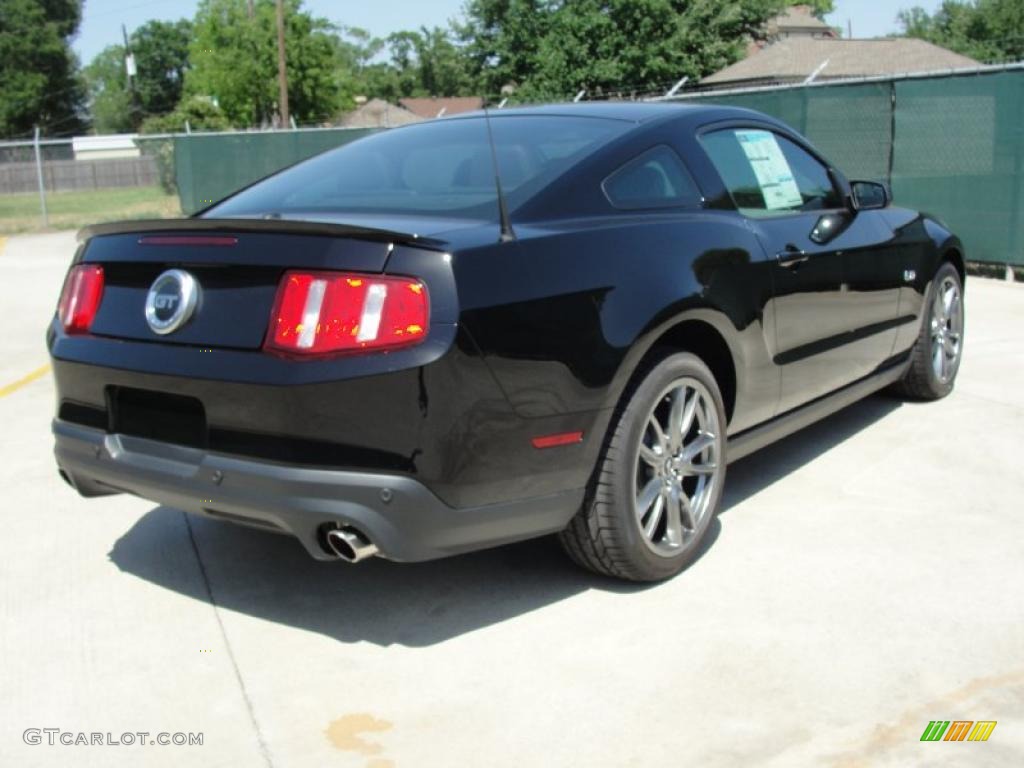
<point x="200" y="113"/>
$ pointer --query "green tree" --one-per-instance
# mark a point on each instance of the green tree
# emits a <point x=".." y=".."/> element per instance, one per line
<point x="820" y="8"/>
<point x="359" y="72"/>
<point x="502" y="39"/>
<point x="987" y="30"/>
<point x="428" y="62"/>
<point x="38" y="78"/>
<point x="161" y="51"/>
<point x="550" y="50"/>
<point x="195" y="113"/>
<point x="234" y="61"/>
<point x="442" y="68"/>
<point x="110" y="102"/>
<point x="161" y="59"/>
<point x="199" y="112"/>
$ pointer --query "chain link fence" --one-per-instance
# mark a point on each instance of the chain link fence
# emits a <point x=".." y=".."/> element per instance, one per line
<point x="63" y="184"/>
<point x="52" y="183"/>
<point x="951" y="144"/>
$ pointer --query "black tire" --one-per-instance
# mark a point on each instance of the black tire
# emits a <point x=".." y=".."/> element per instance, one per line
<point x="606" y="536"/>
<point x="921" y="381"/>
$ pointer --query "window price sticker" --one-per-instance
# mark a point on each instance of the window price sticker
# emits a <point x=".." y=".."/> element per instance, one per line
<point x="774" y="176"/>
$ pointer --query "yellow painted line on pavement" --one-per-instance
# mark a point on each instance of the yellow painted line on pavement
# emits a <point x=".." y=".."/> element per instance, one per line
<point x="3" y="242"/>
<point x="14" y="386"/>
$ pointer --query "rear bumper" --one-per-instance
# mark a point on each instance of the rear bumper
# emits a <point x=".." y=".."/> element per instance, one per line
<point x="400" y="515"/>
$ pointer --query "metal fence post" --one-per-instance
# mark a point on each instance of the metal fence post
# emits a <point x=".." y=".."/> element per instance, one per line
<point x="39" y="175"/>
<point x="893" y="107"/>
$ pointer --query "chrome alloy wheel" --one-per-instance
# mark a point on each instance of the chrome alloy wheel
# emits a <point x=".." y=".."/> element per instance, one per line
<point x="678" y="467"/>
<point x="947" y="329"/>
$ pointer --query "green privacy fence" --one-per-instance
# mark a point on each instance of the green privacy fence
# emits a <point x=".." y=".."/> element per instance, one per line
<point x="951" y="145"/>
<point x="209" y="166"/>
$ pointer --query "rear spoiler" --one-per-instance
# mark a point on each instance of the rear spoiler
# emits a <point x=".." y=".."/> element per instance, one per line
<point x="229" y="226"/>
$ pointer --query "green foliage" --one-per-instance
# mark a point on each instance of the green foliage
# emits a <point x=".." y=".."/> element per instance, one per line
<point x="424" y="62"/>
<point x="234" y="61"/>
<point x="161" y="59"/>
<point x="355" y="49"/>
<point x="820" y="8"/>
<point x="199" y="113"/>
<point x="502" y="39"/>
<point x="38" y="81"/>
<point x="549" y="49"/>
<point x="161" y="51"/>
<point x="542" y="49"/>
<point x="110" y="100"/>
<point x="986" y="30"/>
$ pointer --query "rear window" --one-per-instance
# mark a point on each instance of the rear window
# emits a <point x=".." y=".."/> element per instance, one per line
<point x="442" y="167"/>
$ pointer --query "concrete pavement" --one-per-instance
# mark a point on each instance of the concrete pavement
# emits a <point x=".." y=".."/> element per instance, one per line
<point x="864" y="579"/>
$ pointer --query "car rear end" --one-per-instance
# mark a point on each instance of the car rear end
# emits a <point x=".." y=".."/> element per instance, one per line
<point x="381" y="431"/>
<point x="298" y="360"/>
<point x="293" y="358"/>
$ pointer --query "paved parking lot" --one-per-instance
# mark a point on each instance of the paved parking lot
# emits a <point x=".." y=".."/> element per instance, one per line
<point x="865" y="577"/>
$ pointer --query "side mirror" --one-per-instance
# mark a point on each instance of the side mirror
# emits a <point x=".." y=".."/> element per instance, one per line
<point x="869" y="195"/>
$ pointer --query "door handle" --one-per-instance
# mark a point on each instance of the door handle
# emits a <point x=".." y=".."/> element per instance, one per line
<point x="790" y="258"/>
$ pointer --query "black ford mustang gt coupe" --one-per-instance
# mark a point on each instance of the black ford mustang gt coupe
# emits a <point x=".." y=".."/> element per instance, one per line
<point x="472" y="331"/>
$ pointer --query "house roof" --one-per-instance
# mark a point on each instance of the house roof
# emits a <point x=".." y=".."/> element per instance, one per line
<point x="377" y="113"/>
<point x="432" y="106"/>
<point x="798" y="18"/>
<point x="795" y="58"/>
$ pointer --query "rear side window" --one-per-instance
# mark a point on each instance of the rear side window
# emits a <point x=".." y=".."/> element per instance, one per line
<point x="655" y="179"/>
<point x="767" y="174"/>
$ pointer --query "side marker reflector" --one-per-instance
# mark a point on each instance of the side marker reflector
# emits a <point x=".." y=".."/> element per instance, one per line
<point x="563" y="438"/>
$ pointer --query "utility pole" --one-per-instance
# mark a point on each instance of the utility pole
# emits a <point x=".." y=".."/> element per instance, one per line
<point x="131" y="70"/>
<point x="282" y="73"/>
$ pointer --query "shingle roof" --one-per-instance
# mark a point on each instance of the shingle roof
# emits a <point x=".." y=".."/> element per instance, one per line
<point x="377" y="113"/>
<point x="432" y="106"/>
<point x="797" y="57"/>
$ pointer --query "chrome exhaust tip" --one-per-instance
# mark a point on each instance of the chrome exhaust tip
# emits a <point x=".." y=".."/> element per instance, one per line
<point x="350" y="545"/>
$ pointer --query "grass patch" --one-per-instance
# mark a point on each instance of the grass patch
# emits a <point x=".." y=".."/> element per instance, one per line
<point x="73" y="210"/>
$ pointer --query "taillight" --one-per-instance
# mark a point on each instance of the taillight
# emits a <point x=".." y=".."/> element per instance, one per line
<point x="81" y="297"/>
<point x="320" y="313"/>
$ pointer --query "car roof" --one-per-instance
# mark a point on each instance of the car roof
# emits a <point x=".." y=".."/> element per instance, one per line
<point x="630" y="111"/>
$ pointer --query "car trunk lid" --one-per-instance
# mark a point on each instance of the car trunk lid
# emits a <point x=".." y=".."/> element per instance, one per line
<point x="236" y="264"/>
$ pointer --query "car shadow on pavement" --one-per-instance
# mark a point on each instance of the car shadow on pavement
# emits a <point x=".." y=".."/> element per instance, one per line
<point x="756" y="472"/>
<point x="271" y="576"/>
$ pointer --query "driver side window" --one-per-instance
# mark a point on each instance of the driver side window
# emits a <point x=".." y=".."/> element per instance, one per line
<point x="767" y="174"/>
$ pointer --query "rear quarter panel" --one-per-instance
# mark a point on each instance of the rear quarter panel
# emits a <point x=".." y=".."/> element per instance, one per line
<point x="565" y="314"/>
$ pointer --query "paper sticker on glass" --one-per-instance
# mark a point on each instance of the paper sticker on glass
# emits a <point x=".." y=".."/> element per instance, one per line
<point x="774" y="175"/>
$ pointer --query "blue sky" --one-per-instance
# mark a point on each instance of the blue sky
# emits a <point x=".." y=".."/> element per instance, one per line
<point x="101" y="25"/>
<point x="872" y="18"/>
